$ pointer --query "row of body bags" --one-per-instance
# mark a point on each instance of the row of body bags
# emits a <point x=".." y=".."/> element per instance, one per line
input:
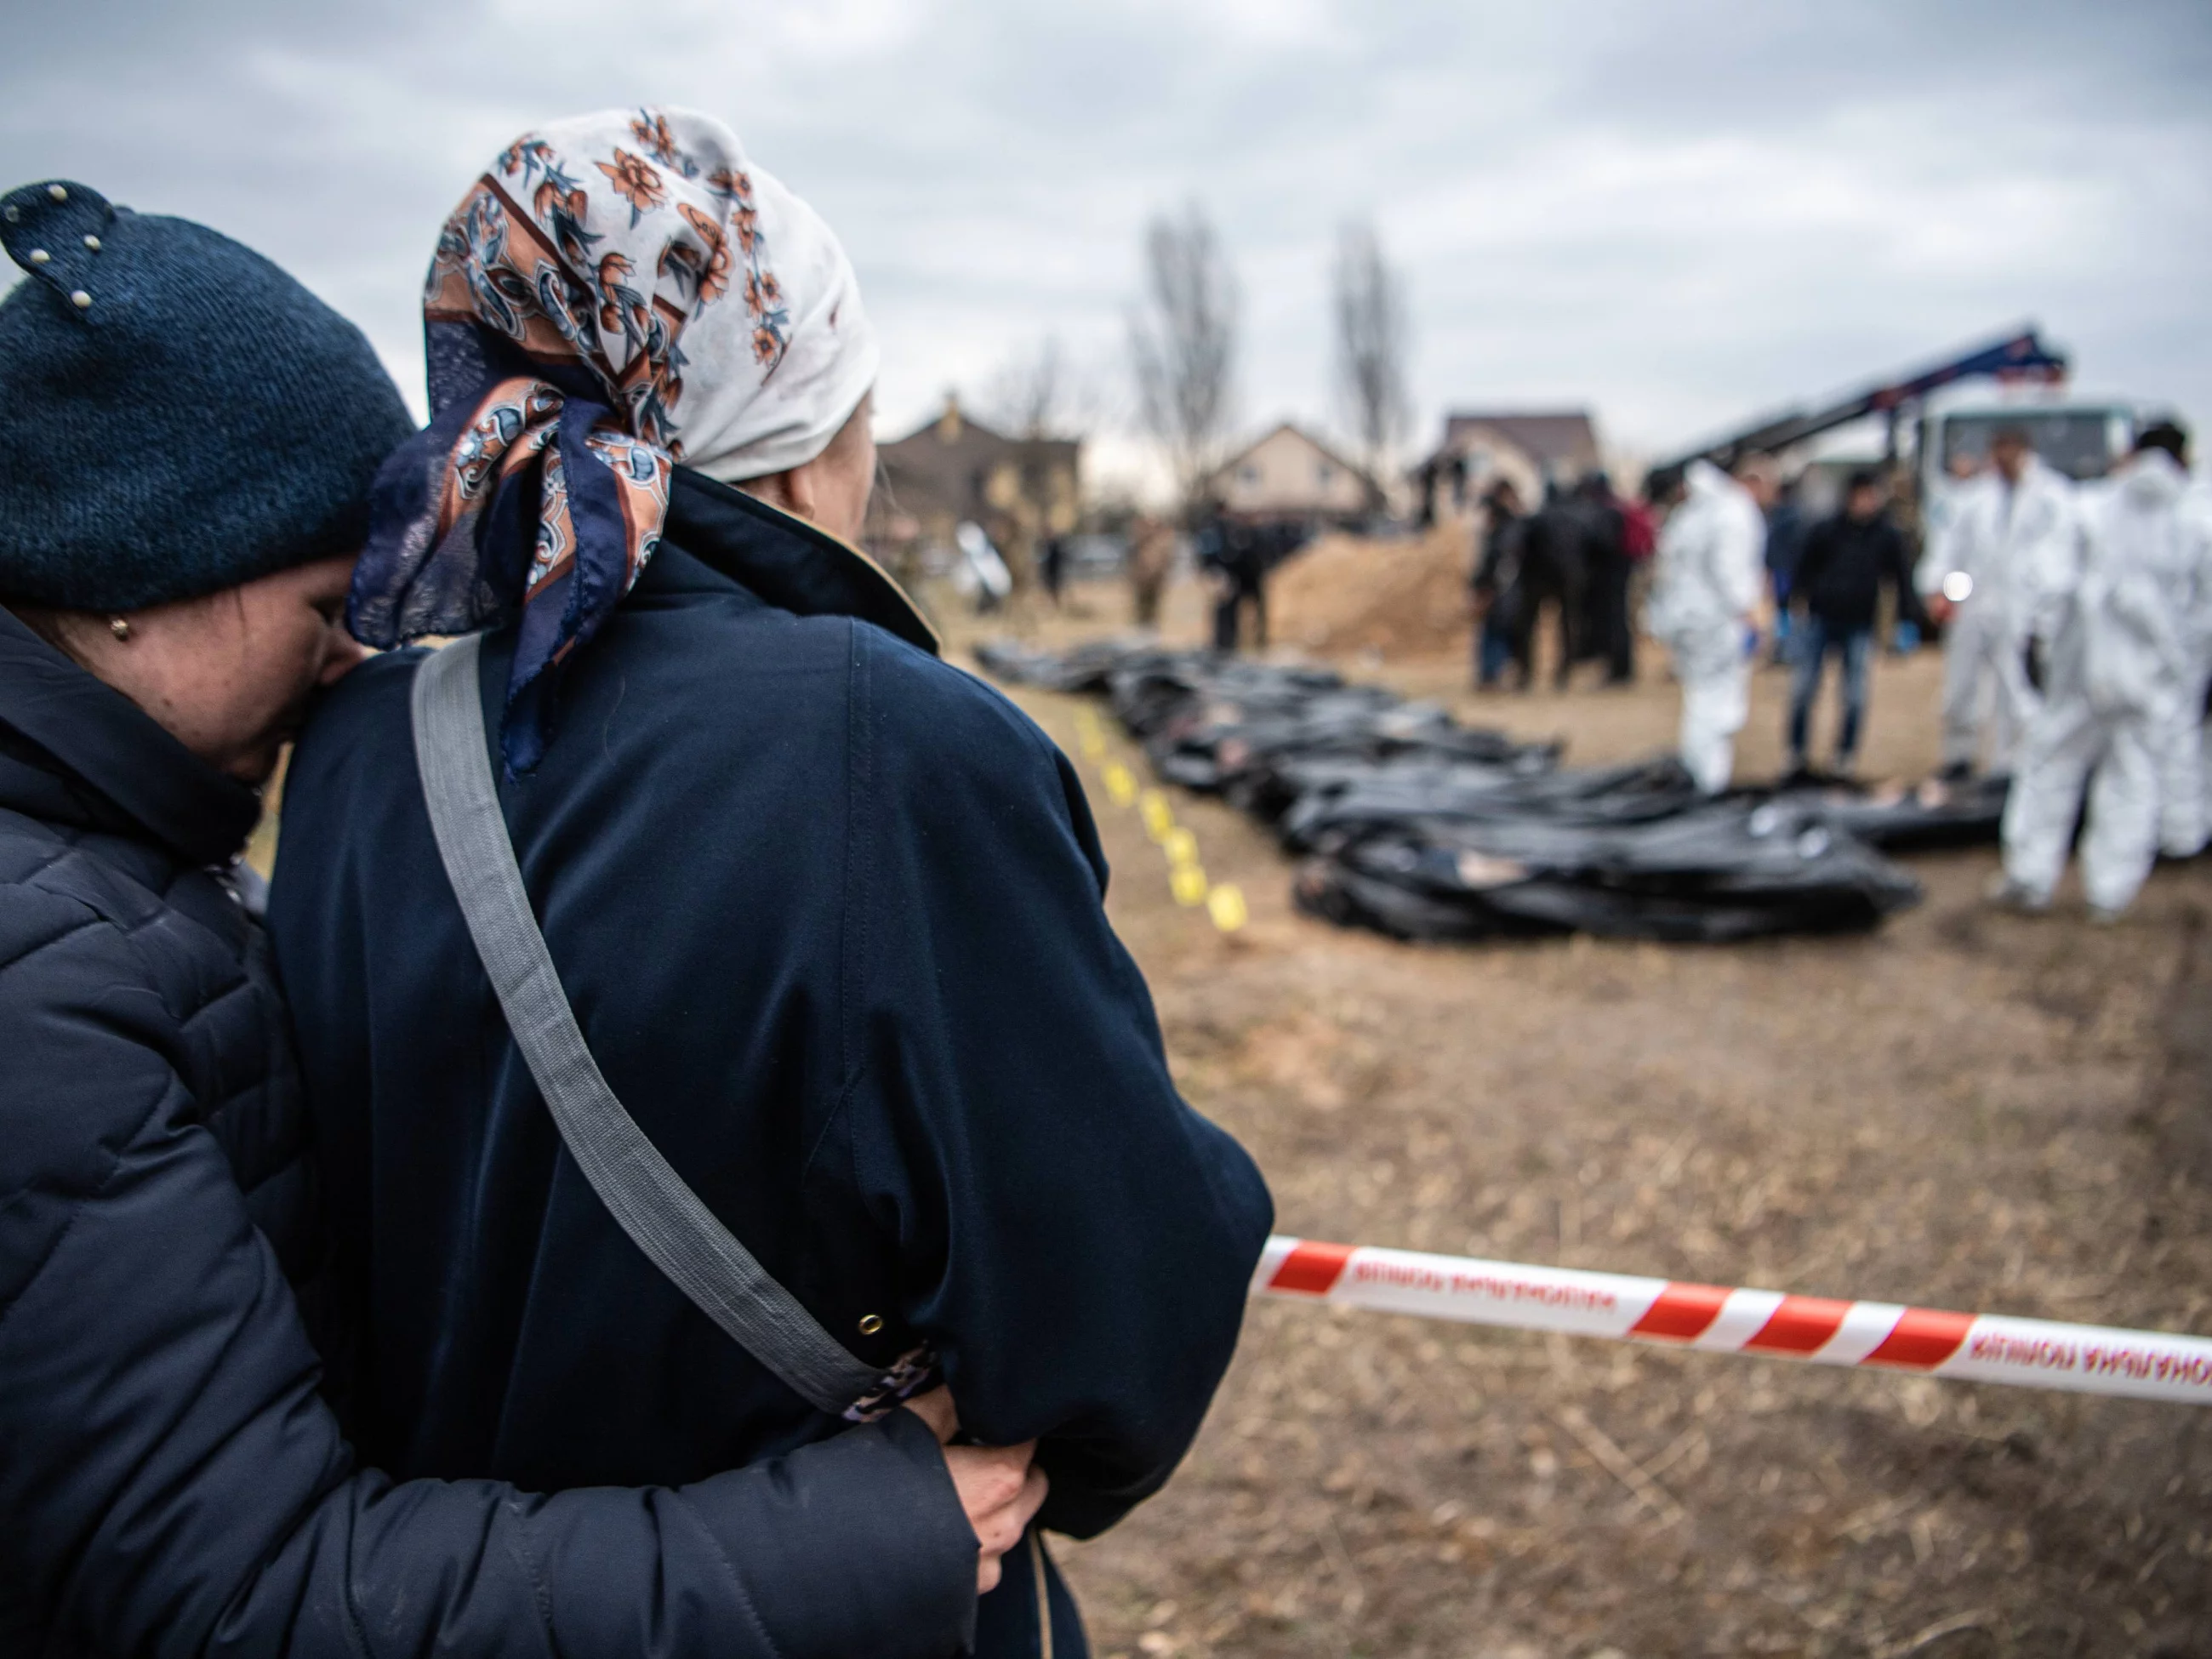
<point x="1410" y="824"/>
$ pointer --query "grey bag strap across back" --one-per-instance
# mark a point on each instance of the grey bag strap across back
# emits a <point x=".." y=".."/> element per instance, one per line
<point x="662" y="1216"/>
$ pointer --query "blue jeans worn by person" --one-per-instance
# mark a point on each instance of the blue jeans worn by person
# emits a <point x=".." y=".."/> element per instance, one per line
<point x="1493" y="646"/>
<point x="1814" y="642"/>
<point x="1785" y="624"/>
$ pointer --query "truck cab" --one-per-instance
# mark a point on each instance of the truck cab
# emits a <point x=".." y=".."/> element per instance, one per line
<point x="2084" y="440"/>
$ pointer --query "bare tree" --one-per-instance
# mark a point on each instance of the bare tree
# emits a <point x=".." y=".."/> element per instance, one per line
<point x="1032" y="392"/>
<point x="1371" y="343"/>
<point x="1183" y="341"/>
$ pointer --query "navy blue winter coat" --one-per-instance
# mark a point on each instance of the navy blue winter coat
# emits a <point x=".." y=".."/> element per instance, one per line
<point x="172" y="1479"/>
<point x="829" y="914"/>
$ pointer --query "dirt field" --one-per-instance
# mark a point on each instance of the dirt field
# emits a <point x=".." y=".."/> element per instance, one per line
<point x="1967" y="1109"/>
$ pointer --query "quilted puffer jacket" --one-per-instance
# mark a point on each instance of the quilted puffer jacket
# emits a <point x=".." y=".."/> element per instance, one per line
<point x="172" y="1480"/>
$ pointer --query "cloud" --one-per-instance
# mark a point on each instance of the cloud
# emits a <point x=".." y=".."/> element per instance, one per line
<point x="1679" y="212"/>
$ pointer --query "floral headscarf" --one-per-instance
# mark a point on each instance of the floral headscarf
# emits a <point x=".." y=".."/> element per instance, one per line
<point x="616" y="294"/>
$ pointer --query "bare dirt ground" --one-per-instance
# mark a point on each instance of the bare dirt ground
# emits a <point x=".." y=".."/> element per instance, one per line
<point x="1967" y="1109"/>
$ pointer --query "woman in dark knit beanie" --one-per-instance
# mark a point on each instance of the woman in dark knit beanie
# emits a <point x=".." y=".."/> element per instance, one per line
<point x="187" y="441"/>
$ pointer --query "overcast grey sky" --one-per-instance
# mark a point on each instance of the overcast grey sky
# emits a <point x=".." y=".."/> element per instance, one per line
<point x="1677" y="212"/>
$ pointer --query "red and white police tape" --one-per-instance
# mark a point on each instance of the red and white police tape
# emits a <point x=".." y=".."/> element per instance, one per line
<point x="2032" y="1353"/>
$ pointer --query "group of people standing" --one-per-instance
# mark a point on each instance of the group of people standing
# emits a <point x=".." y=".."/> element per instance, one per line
<point x="2096" y="650"/>
<point x="2076" y="623"/>
<point x="1736" y="565"/>
<point x="1573" y="559"/>
<point x="1714" y="588"/>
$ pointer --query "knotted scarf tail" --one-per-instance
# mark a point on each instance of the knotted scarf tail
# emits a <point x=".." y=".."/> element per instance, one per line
<point x="532" y="504"/>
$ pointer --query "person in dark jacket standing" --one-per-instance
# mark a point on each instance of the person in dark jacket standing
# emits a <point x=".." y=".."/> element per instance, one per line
<point x="1052" y="567"/>
<point x="1237" y="554"/>
<point x="1495" y="583"/>
<point x="826" y="910"/>
<point x="1554" y="573"/>
<point x="174" y="1474"/>
<point x="1837" y="588"/>
<point x="1610" y="636"/>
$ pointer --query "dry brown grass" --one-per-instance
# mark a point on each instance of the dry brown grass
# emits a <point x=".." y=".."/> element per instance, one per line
<point x="1967" y="1108"/>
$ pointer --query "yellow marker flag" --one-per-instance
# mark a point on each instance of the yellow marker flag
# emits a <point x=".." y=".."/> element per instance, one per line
<point x="1187" y="884"/>
<point x="1160" y="817"/>
<point x="1121" y="785"/>
<point x="1180" y="847"/>
<point x="1225" y="904"/>
<point x="1089" y="737"/>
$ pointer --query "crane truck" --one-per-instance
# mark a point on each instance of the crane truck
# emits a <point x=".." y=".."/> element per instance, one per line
<point x="2082" y="439"/>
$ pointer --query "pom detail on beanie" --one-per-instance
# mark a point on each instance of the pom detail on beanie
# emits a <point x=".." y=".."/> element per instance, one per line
<point x="178" y="415"/>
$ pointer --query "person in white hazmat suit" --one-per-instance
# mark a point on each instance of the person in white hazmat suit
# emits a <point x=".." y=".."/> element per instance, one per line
<point x="981" y="576"/>
<point x="1708" y="585"/>
<point x="2185" y="778"/>
<point x="2018" y="515"/>
<point x="2118" y="617"/>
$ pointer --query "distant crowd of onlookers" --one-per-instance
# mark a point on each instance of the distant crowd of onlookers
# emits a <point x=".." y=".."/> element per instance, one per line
<point x="1571" y="559"/>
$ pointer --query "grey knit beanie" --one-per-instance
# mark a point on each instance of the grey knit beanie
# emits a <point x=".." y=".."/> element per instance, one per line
<point x="177" y="415"/>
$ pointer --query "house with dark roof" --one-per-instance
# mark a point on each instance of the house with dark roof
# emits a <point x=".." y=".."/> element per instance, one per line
<point x="1022" y="490"/>
<point x="1527" y="448"/>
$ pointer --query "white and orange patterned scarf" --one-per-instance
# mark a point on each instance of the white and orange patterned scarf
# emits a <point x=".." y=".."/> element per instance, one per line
<point x="616" y="295"/>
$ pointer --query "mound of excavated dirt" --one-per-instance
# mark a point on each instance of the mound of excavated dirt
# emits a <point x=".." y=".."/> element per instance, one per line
<point x="1400" y="597"/>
